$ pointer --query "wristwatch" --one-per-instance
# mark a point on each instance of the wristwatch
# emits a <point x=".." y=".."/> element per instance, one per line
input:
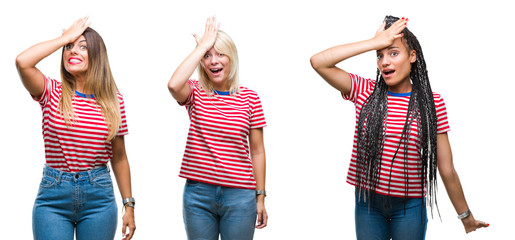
<point x="464" y="215"/>
<point x="129" y="202"/>
<point x="260" y="192"/>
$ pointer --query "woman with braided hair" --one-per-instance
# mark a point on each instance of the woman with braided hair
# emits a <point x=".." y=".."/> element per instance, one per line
<point x="400" y="138"/>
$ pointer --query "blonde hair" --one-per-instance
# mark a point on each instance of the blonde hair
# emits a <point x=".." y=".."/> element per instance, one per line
<point x="99" y="81"/>
<point x="224" y="45"/>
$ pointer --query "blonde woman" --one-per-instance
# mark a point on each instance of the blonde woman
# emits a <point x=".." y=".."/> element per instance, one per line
<point x="224" y="160"/>
<point x="83" y="129"/>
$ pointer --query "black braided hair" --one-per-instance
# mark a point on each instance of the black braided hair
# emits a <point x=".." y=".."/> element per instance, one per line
<point x="372" y="127"/>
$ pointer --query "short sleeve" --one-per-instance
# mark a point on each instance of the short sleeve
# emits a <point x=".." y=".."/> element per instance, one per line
<point x="359" y="85"/>
<point x="50" y="85"/>
<point x="122" y="128"/>
<point x="441" y="115"/>
<point x="194" y="86"/>
<point x="257" y="117"/>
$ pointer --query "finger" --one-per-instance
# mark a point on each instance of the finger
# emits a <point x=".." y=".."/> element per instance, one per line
<point x="483" y="224"/>
<point x="124" y="228"/>
<point x="381" y="28"/>
<point x="259" y="218"/>
<point x="196" y="37"/>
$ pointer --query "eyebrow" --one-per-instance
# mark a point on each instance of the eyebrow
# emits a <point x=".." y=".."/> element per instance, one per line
<point x="388" y="48"/>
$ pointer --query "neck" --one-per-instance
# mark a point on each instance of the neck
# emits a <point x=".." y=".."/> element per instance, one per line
<point x="80" y="82"/>
<point x="401" y="88"/>
<point x="222" y="87"/>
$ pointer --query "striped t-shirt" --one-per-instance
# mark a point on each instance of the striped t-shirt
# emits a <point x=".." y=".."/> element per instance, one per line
<point x="392" y="180"/>
<point x="81" y="145"/>
<point x="217" y="148"/>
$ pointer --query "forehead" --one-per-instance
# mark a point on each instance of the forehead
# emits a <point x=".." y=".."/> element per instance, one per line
<point x="397" y="44"/>
<point x="80" y="39"/>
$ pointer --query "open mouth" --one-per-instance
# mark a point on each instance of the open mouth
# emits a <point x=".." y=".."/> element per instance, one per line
<point x="215" y="70"/>
<point x="74" y="61"/>
<point x="387" y="73"/>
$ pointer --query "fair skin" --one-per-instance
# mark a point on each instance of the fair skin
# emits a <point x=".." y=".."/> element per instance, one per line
<point x="76" y="63"/>
<point x="394" y="62"/>
<point x="217" y="67"/>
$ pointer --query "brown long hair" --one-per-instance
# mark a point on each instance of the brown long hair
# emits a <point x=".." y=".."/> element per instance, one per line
<point x="99" y="81"/>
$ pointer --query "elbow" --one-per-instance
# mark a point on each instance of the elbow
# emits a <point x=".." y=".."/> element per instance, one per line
<point x="173" y="87"/>
<point x="315" y="63"/>
<point x="19" y="62"/>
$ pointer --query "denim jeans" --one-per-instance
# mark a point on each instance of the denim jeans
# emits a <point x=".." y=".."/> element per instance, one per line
<point x="212" y="210"/>
<point x="81" y="201"/>
<point x="390" y="217"/>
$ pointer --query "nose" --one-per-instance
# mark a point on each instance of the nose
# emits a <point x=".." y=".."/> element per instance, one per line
<point x="385" y="61"/>
<point x="214" y="59"/>
<point x="74" y="50"/>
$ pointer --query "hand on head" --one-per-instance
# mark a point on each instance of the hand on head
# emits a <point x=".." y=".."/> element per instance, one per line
<point x="385" y="37"/>
<point x="76" y="29"/>
<point x="207" y="41"/>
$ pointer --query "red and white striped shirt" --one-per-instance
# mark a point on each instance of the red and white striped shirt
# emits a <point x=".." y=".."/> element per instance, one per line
<point x="81" y="145"/>
<point x="217" y="149"/>
<point x="392" y="179"/>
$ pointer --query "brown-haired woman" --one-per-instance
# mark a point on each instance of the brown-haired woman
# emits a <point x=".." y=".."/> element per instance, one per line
<point x="83" y="129"/>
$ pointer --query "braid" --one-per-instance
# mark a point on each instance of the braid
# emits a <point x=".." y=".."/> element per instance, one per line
<point x="372" y="127"/>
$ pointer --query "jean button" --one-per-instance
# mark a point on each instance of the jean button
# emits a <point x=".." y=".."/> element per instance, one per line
<point x="76" y="176"/>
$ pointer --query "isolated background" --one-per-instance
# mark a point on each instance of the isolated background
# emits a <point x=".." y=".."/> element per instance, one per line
<point x="468" y="46"/>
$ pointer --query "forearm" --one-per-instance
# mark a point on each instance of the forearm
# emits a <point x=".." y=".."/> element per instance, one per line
<point x="454" y="189"/>
<point x="30" y="57"/>
<point x="26" y="62"/>
<point x="332" y="56"/>
<point x="178" y="83"/>
<point x="122" y="174"/>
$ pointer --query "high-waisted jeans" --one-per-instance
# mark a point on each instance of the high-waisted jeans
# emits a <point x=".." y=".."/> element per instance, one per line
<point x="390" y="217"/>
<point x="212" y="210"/>
<point x="75" y="201"/>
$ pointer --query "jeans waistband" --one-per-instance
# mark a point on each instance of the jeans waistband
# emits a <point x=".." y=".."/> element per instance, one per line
<point x="75" y="176"/>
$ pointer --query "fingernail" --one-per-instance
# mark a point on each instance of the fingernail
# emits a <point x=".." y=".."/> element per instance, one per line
<point x="402" y="18"/>
<point x="488" y="224"/>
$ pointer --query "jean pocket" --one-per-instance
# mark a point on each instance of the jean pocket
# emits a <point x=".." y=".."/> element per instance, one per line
<point x="103" y="181"/>
<point x="47" y="181"/>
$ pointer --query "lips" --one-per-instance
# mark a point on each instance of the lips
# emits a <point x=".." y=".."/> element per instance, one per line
<point x="74" y="61"/>
<point x="388" y="72"/>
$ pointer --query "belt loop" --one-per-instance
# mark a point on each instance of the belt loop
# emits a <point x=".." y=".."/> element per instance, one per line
<point x="108" y="168"/>
<point x="59" y="177"/>
<point x="90" y="175"/>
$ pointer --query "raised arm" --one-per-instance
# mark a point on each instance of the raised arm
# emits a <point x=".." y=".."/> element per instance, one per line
<point x="32" y="78"/>
<point x="178" y="84"/>
<point x="325" y="62"/>
<point x="452" y="183"/>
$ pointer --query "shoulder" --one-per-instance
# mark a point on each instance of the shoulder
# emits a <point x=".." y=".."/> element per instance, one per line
<point x="120" y="98"/>
<point x="437" y="97"/>
<point x="244" y="91"/>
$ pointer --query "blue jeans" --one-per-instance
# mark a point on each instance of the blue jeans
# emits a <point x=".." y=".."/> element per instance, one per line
<point x="82" y="201"/>
<point x="390" y="217"/>
<point x="212" y="210"/>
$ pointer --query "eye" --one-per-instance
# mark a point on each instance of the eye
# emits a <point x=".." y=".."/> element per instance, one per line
<point x="221" y="54"/>
<point x="206" y="55"/>
<point x="394" y="53"/>
<point x="379" y="56"/>
<point x="68" y="46"/>
<point x="83" y="47"/>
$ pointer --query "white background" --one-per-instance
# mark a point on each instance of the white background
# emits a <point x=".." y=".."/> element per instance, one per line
<point x="468" y="47"/>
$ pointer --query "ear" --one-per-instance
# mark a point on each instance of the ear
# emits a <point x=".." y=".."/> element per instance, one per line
<point x="413" y="56"/>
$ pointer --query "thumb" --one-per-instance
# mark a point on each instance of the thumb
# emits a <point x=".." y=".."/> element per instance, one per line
<point x="196" y="37"/>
